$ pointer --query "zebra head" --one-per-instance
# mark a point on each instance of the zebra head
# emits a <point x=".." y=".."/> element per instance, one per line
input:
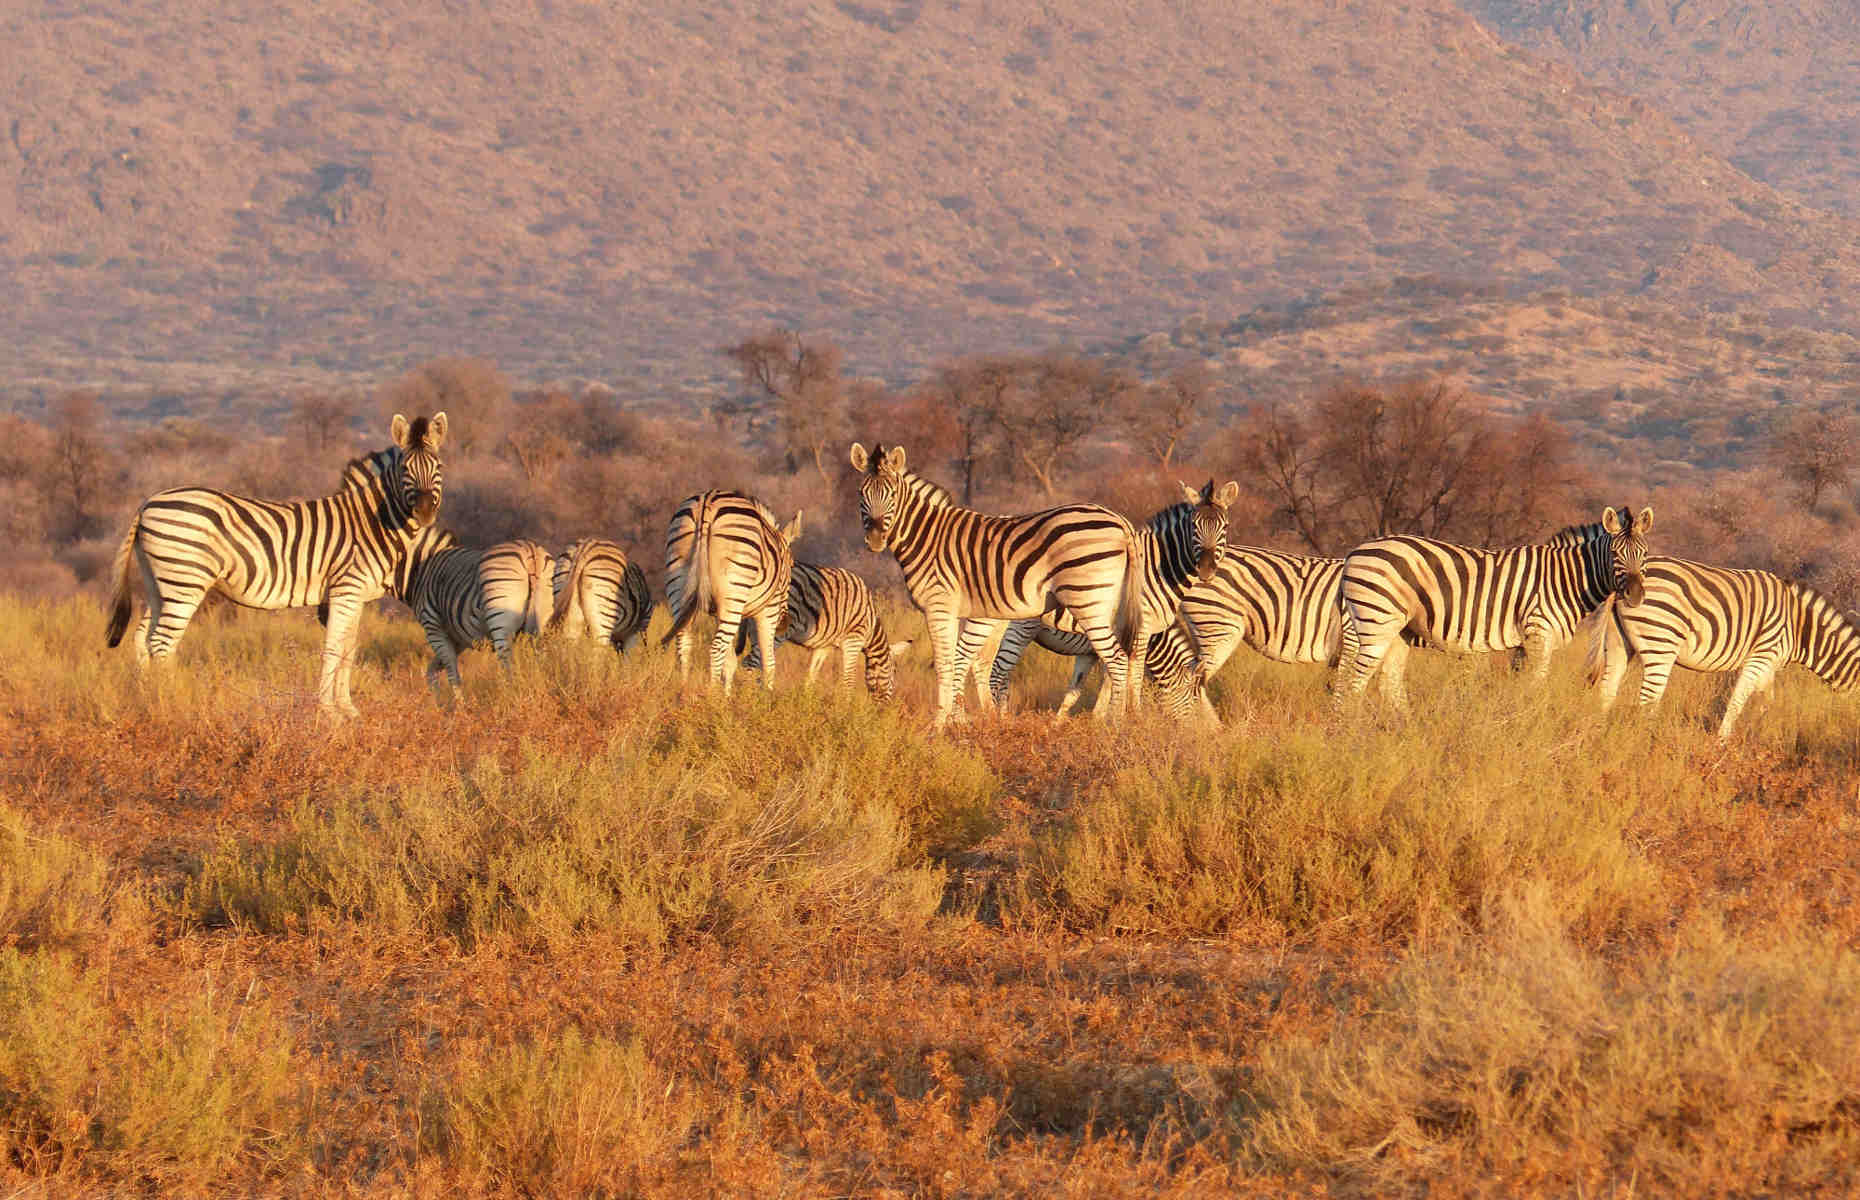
<point x="1627" y="546"/>
<point x="880" y="491"/>
<point x="1208" y="524"/>
<point x="420" y="474"/>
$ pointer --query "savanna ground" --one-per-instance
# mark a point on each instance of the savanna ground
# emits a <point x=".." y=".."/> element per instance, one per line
<point x="592" y="932"/>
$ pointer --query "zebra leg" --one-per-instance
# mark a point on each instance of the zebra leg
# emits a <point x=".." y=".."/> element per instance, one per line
<point x="685" y="637"/>
<point x="851" y="651"/>
<point x="765" y="640"/>
<point x="142" y="638"/>
<point x="723" y="648"/>
<point x="1117" y="670"/>
<point x="167" y="620"/>
<point x="1394" y="663"/>
<point x="1014" y="643"/>
<point x="970" y="640"/>
<point x="1755" y="677"/>
<point x="339" y="639"/>
<point x="1081" y="668"/>
<point x="944" y="635"/>
<point x="1536" y="650"/>
<point x="814" y="663"/>
<point x="1656" y="668"/>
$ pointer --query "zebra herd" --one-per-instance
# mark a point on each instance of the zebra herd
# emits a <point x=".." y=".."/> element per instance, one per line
<point x="1168" y="602"/>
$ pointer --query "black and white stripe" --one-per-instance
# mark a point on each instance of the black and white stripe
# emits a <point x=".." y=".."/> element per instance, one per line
<point x="1182" y="548"/>
<point x="725" y="555"/>
<point x="831" y="608"/>
<point x="1527" y="599"/>
<point x="1706" y="618"/>
<point x="600" y="594"/>
<point x="970" y="572"/>
<point x="338" y="552"/>
<point x="463" y="597"/>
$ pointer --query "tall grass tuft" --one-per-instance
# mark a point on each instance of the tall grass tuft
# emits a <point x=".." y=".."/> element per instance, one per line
<point x="570" y="1115"/>
<point x="1524" y="1054"/>
<point x="172" y="1095"/>
<point x="53" y="891"/>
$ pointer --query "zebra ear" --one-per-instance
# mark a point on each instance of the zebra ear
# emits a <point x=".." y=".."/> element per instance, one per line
<point x="1189" y="493"/>
<point x="397" y="429"/>
<point x="436" y="431"/>
<point x="1644" y="522"/>
<point x="859" y="457"/>
<point x="792" y="530"/>
<point x="1610" y="521"/>
<point x="1230" y="492"/>
<point x="893" y="460"/>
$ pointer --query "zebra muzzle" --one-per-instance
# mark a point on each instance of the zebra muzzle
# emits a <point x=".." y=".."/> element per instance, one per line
<point x="1205" y="564"/>
<point x="874" y="538"/>
<point x="1632" y="590"/>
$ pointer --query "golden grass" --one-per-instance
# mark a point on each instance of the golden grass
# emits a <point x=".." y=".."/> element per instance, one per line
<point x="594" y="931"/>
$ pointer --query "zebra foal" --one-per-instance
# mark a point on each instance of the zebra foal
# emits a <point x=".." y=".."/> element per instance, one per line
<point x="725" y="555"/>
<point x="1708" y="618"/>
<point x="600" y="594"/>
<point x="464" y="597"/>
<point x="969" y="572"/>
<point x="1527" y="599"/>
<point x="337" y="552"/>
<point x="830" y="608"/>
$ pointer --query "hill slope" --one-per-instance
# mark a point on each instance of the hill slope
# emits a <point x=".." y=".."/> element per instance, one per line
<point x="1770" y="86"/>
<point x="618" y="189"/>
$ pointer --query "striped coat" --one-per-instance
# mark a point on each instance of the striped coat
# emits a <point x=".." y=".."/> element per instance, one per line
<point x="1707" y="618"/>
<point x="337" y="552"/>
<point x="600" y="594"/>
<point x="831" y="608"/>
<point x="725" y="555"/>
<point x="1182" y="548"/>
<point x="464" y="597"/>
<point x="969" y="572"/>
<point x="1528" y="598"/>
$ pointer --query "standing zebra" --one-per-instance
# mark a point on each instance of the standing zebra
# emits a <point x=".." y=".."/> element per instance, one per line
<point x="969" y="572"/>
<point x="1528" y="598"/>
<point x="1720" y="619"/>
<point x="463" y="597"/>
<point x="600" y="594"/>
<point x="338" y="552"/>
<point x="828" y="608"/>
<point x="1182" y="546"/>
<point x="725" y="555"/>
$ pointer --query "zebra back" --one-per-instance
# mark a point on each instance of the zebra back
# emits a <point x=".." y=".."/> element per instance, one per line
<point x="727" y="548"/>
<point x="1286" y="607"/>
<point x="601" y="592"/>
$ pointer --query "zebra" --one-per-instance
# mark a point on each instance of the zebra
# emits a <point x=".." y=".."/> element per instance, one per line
<point x="1528" y="599"/>
<point x="337" y="552"/>
<point x="1708" y="618"/>
<point x="600" y="594"/>
<point x="725" y="554"/>
<point x="969" y="572"/>
<point x="1182" y="546"/>
<point x="463" y="597"/>
<point x="828" y="608"/>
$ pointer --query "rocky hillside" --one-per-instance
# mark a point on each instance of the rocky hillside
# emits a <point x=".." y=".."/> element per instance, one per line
<point x="289" y="192"/>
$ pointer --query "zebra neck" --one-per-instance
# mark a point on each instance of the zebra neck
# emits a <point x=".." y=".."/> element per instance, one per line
<point x="920" y="503"/>
<point x="366" y="484"/>
<point x="1825" y="641"/>
<point x="1166" y="550"/>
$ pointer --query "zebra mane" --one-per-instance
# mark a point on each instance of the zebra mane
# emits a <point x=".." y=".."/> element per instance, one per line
<point x="377" y="466"/>
<point x="1576" y="535"/>
<point x="1165" y="517"/>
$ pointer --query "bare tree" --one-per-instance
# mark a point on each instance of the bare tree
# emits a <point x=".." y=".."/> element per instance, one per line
<point x="1398" y="460"/>
<point x="81" y="464"/>
<point x="1285" y="459"/>
<point x="1818" y="451"/>
<point x="323" y="420"/>
<point x="966" y="399"/>
<point x="803" y="380"/>
<point x="1050" y="412"/>
<point x="1160" y="415"/>
<point x="472" y="393"/>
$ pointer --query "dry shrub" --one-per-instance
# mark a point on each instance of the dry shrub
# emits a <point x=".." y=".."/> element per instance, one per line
<point x="174" y="1095"/>
<point x="1523" y="1055"/>
<point x="1387" y="831"/>
<point x="570" y="1115"/>
<point x="710" y="827"/>
<point x="53" y="891"/>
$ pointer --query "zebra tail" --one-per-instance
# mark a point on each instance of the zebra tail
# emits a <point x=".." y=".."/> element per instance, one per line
<point x="1130" y="604"/>
<point x="1605" y="641"/>
<point x="571" y="589"/>
<point x="538" y="611"/>
<point x="697" y="585"/>
<point x="122" y="605"/>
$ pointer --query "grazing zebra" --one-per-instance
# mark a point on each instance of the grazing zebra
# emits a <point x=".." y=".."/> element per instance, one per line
<point x="600" y="594"/>
<point x="969" y="572"/>
<point x="1528" y="598"/>
<point x="463" y="597"/>
<point x="1720" y="619"/>
<point x="1180" y="676"/>
<point x="1182" y="546"/>
<point x="338" y="552"/>
<point x="725" y="555"/>
<point x="828" y="608"/>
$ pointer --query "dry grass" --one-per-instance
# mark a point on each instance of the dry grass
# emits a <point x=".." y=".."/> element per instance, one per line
<point x="595" y="932"/>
